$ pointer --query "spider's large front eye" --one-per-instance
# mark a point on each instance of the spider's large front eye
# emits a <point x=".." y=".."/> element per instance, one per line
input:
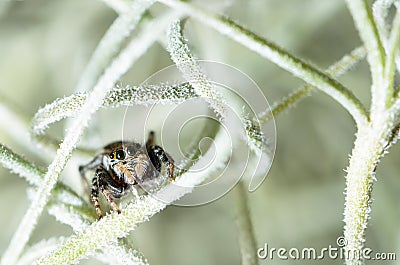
<point x="120" y="154"/>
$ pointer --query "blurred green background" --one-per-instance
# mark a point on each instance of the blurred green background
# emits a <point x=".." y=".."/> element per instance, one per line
<point x="45" y="45"/>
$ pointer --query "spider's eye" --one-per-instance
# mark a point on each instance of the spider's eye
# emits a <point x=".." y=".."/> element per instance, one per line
<point x="111" y="155"/>
<point x="131" y="150"/>
<point x="120" y="154"/>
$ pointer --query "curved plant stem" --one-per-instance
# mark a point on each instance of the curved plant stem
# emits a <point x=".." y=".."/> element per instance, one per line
<point x="118" y="67"/>
<point x="277" y="55"/>
<point x="381" y="11"/>
<point x="390" y="64"/>
<point x="246" y="238"/>
<point x="117" y="254"/>
<point x="33" y="174"/>
<point x="38" y="250"/>
<point x="111" y="43"/>
<point x="20" y="166"/>
<point x="335" y="70"/>
<point x="369" y="147"/>
<point x="188" y="66"/>
<point x="368" y="31"/>
<point x="115" y="225"/>
<point x="146" y="95"/>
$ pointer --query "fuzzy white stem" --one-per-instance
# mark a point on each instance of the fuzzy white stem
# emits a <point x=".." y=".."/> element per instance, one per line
<point x="390" y="63"/>
<point x="115" y="225"/>
<point x="118" y="67"/>
<point x="20" y="166"/>
<point x="277" y="55"/>
<point x="111" y="43"/>
<point x="140" y="95"/>
<point x="244" y="227"/>
<point x="380" y="12"/>
<point x="38" y="250"/>
<point x="118" y="255"/>
<point x="335" y="70"/>
<point x="367" y="29"/>
<point x="192" y="72"/>
<point x="369" y="147"/>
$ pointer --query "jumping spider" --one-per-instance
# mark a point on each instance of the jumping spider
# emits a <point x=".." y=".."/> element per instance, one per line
<point x="121" y="165"/>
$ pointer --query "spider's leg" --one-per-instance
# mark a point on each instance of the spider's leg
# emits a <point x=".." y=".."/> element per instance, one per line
<point x="127" y="174"/>
<point x="97" y="160"/>
<point x="94" y="195"/>
<point x="107" y="194"/>
<point x="135" y="192"/>
<point x="163" y="157"/>
<point x="150" y="140"/>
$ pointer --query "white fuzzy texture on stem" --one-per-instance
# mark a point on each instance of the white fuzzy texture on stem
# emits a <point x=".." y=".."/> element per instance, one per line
<point x="192" y="72"/>
<point x="244" y="227"/>
<point x="62" y="206"/>
<point x="111" y="43"/>
<point x="368" y="31"/>
<point x="390" y="63"/>
<point x="380" y="11"/>
<point x="127" y="96"/>
<point x="335" y="70"/>
<point x="15" y="125"/>
<point x="217" y="99"/>
<point x="115" y="225"/>
<point x="277" y="55"/>
<point x="369" y="147"/>
<point x="118" y="67"/>
<point x="38" y="250"/>
<point x="116" y="254"/>
<point x="20" y="166"/>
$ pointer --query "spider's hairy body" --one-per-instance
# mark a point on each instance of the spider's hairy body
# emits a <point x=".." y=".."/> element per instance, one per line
<point x="121" y="166"/>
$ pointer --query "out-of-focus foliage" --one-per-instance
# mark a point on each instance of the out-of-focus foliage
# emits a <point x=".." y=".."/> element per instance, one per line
<point x="45" y="46"/>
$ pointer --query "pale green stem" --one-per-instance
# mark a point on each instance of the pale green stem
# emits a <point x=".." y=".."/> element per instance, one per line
<point x="38" y="250"/>
<point x="192" y="72"/>
<point x="390" y="66"/>
<point x="146" y="95"/>
<point x="367" y="29"/>
<point x="188" y="66"/>
<point x="369" y="147"/>
<point x="120" y="255"/>
<point x="34" y="176"/>
<point x="278" y="56"/>
<point x="20" y="166"/>
<point x="115" y="225"/>
<point x="335" y="70"/>
<point x="118" y="67"/>
<point x="14" y="123"/>
<point x="381" y="10"/>
<point x="117" y="97"/>
<point x="245" y="232"/>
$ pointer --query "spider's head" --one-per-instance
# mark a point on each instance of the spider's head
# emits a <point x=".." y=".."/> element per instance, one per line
<point x="128" y="157"/>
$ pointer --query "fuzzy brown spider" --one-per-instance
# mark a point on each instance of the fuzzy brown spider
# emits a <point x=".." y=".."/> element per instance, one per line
<point x="121" y="165"/>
